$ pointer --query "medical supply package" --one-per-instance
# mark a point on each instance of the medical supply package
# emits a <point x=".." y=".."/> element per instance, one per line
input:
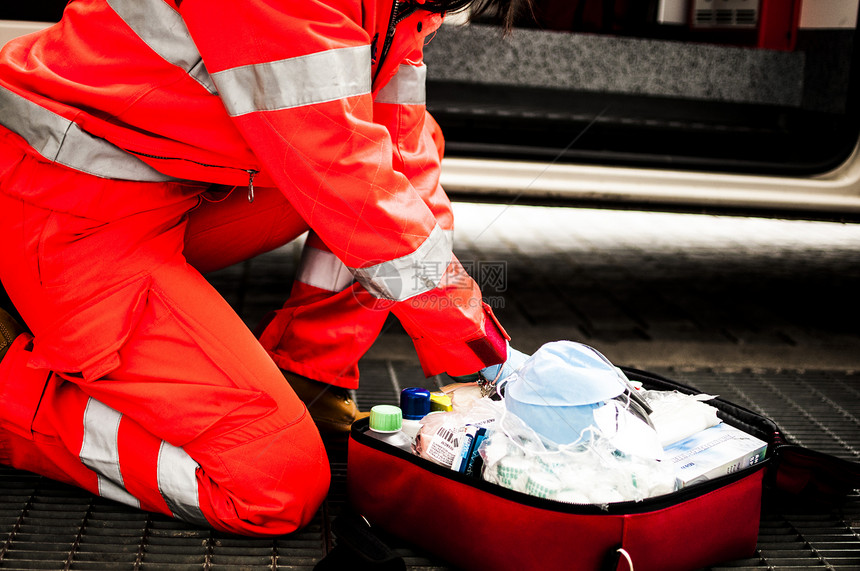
<point x="713" y="452"/>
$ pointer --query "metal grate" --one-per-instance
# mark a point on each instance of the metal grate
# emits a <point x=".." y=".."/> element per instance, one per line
<point x="49" y="525"/>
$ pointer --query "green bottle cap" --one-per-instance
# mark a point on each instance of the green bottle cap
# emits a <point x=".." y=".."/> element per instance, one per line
<point x="386" y="418"/>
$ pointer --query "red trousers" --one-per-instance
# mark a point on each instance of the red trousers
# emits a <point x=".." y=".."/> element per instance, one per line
<point x="139" y="382"/>
<point x="328" y="322"/>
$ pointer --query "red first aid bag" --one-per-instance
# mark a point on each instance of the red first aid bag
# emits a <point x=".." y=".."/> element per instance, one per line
<point x="476" y="524"/>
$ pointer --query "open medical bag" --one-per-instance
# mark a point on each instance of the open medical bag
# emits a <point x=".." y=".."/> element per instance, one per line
<point x="475" y="524"/>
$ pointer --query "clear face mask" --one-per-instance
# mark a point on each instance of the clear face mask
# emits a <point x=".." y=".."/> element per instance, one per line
<point x="627" y="426"/>
<point x="636" y="407"/>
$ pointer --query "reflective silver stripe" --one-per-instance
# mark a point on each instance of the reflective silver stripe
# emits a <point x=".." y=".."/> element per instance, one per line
<point x="177" y="482"/>
<point x="294" y="82"/>
<point x="407" y="87"/>
<point x="176" y="469"/>
<point x="163" y="30"/>
<point x="100" y="453"/>
<point x="323" y="270"/>
<point x="62" y="141"/>
<point x="410" y="275"/>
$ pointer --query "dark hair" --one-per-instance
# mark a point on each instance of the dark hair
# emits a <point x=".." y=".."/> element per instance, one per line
<point x="503" y="11"/>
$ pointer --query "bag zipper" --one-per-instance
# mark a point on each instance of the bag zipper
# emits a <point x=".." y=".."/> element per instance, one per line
<point x="251" y="172"/>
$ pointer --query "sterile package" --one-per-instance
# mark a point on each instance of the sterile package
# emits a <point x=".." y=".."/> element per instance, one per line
<point x="441" y="436"/>
<point x="592" y="471"/>
<point x="716" y="451"/>
<point x="677" y="416"/>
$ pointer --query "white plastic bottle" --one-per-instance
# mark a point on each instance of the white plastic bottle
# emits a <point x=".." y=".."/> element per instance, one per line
<point x="386" y="424"/>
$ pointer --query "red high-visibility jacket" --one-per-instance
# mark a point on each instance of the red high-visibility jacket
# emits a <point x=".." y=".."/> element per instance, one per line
<point x="322" y="98"/>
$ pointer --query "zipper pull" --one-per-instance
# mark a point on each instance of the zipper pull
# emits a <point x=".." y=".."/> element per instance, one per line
<point x="251" y="175"/>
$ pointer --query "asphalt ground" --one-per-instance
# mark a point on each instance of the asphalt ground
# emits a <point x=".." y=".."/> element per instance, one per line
<point x="762" y="312"/>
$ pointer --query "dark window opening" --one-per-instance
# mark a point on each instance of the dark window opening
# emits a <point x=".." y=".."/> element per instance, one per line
<point x="603" y="82"/>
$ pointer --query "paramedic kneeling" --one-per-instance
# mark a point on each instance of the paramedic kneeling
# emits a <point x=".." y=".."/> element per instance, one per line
<point x="145" y="142"/>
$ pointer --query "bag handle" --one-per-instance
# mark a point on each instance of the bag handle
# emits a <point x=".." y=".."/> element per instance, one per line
<point x="614" y="557"/>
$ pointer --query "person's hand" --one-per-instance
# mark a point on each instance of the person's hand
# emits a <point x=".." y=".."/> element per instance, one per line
<point x="494" y="373"/>
<point x="487" y="377"/>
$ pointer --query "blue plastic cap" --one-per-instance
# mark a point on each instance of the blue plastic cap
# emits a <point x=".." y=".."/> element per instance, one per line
<point x="415" y="403"/>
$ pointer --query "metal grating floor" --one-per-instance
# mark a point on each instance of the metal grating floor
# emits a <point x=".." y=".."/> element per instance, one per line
<point x="48" y="525"/>
<point x="52" y="526"/>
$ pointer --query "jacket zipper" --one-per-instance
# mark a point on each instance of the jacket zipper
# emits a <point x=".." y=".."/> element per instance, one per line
<point x="251" y="172"/>
<point x="251" y="175"/>
<point x="399" y="12"/>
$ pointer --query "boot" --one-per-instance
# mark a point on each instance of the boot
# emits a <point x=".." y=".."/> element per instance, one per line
<point x="9" y="330"/>
<point x="331" y="407"/>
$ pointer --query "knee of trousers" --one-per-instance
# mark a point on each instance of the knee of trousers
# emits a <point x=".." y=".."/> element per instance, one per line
<point x="270" y="485"/>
